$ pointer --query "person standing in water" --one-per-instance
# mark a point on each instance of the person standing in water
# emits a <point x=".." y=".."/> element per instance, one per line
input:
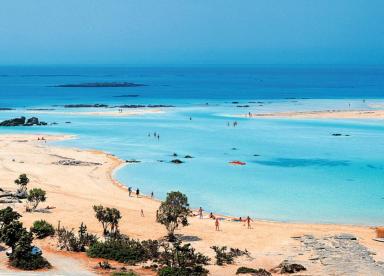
<point x="217" y="224"/>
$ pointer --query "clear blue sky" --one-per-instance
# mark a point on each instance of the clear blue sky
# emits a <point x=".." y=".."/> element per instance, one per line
<point x="192" y="32"/>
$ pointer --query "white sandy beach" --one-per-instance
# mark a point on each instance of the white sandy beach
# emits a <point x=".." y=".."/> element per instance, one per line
<point x="73" y="190"/>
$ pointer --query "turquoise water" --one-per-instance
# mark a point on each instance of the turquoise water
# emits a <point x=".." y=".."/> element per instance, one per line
<point x="296" y="170"/>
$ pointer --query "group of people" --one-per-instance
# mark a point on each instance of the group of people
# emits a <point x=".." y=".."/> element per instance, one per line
<point x="130" y="191"/>
<point x="156" y="135"/>
<point x="137" y="192"/>
<point x="247" y="220"/>
<point x="234" y="124"/>
<point x="41" y="139"/>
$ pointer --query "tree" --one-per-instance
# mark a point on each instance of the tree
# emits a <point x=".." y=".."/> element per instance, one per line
<point x="114" y="217"/>
<point x="35" y="196"/>
<point x="11" y="233"/>
<point x="173" y="212"/>
<point x="22" y="181"/>
<point x="108" y="217"/>
<point x="7" y="215"/>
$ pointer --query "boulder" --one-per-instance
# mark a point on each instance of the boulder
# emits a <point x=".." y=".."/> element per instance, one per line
<point x="13" y="122"/>
<point x="176" y="161"/>
<point x="32" y="121"/>
<point x="23" y="122"/>
<point x="288" y="267"/>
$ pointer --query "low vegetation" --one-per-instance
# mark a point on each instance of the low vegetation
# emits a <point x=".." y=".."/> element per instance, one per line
<point x="181" y="260"/>
<point x="225" y="256"/>
<point x="125" y="250"/>
<point x="79" y="242"/>
<point x="13" y="234"/>
<point x="42" y="229"/>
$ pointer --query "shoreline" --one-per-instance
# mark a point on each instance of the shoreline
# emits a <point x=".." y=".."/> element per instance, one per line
<point x="320" y="114"/>
<point x="269" y="242"/>
<point x="120" y="163"/>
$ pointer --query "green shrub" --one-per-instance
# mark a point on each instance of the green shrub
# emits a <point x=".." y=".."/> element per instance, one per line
<point x="224" y="256"/>
<point x="42" y="229"/>
<point x="181" y="260"/>
<point x="123" y="249"/>
<point x="68" y="240"/>
<point x="30" y="262"/>
<point x="130" y="273"/>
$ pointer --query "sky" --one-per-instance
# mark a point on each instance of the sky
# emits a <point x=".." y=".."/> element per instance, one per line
<point x="181" y="32"/>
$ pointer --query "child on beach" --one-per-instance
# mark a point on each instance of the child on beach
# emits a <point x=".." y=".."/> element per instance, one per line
<point x="142" y="212"/>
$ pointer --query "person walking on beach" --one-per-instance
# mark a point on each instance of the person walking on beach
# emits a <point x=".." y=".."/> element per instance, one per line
<point x="137" y="192"/>
<point x="248" y="220"/>
<point x="142" y="212"/>
<point x="129" y="191"/>
<point x="217" y="224"/>
<point x="151" y="194"/>
<point x="200" y="213"/>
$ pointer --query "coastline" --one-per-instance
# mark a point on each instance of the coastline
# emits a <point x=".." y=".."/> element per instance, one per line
<point x="320" y="114"/>
<point x="269" y="241"/>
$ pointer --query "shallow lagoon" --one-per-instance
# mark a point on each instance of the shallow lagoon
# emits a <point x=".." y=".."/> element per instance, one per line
<point x="296" y="170"/>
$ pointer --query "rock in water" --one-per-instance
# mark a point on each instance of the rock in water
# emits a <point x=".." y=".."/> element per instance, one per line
<point x="177" y="161"/>
<point x="32" y="121"/>
<point x="23" y="122"/>
<point x="13" y="122"/>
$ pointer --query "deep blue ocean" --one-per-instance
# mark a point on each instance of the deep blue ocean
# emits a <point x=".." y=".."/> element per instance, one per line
<point x="296" y="169"/>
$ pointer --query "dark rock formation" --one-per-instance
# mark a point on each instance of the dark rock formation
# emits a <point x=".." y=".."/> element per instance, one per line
<point x="72" y="162"/>
<point x="23" y="122"/>
<point x="253" y="271"/>
<point x="289" y="267"/>
<point x="101" y="84"/>
<point x="13" y="122"/>
<point x="32" y="121"/>
<point x="177" y="161"/>
<point x="127" y="96"/>
<point x="132" y="161"/>
<point x="188" y="156"/>
<point x="339" y="134"/>
<point x="84" y="105"/>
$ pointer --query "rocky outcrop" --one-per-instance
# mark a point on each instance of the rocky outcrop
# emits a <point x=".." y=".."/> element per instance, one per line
<point x="177" y="161"/>
<point x="288" y="267"/>
<point x="72" y="162"/>
<point x="23" y="122"/>
<point x="102" y="84"/>
<point x="84" y="105"/>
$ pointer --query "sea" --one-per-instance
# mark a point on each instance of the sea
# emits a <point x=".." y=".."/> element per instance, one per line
<point x="295" y="170"/>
